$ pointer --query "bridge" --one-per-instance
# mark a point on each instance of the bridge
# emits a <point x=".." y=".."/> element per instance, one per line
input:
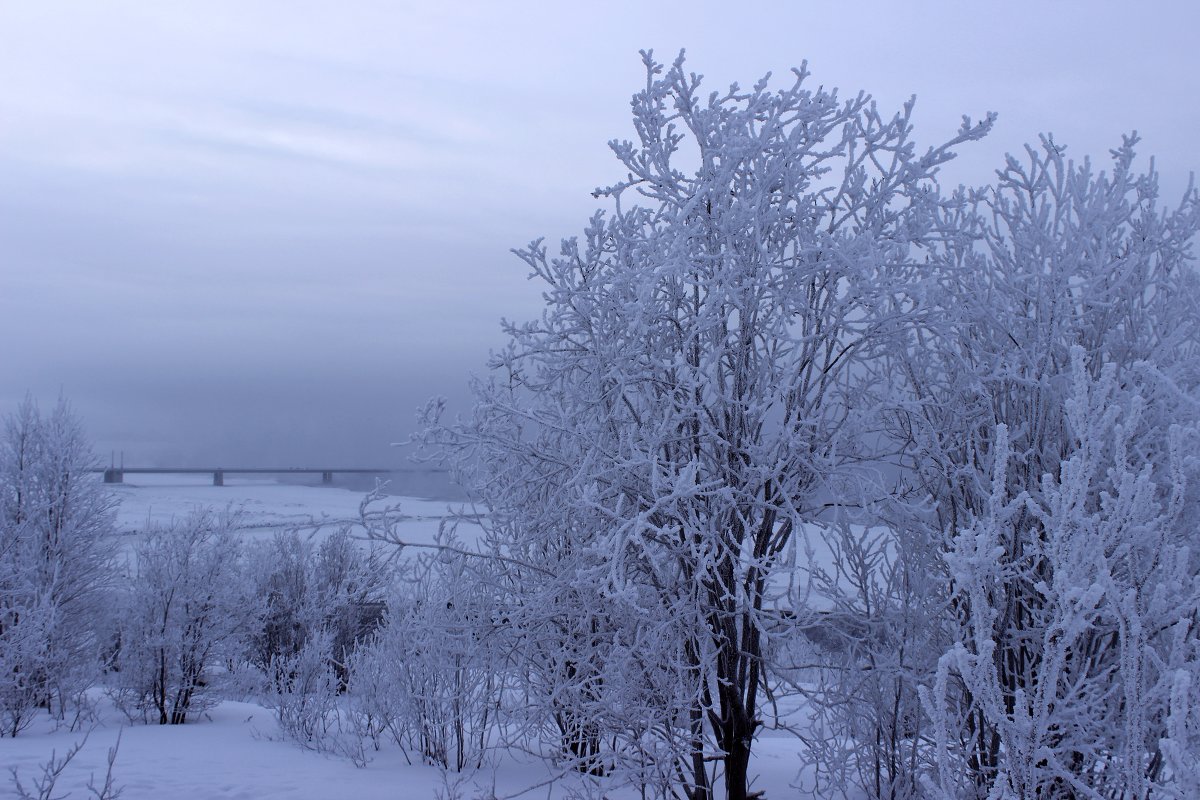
<point x="117" y="474"/>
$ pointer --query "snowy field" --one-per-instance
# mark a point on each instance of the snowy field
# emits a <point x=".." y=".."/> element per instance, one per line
<point x="235" y="750"/>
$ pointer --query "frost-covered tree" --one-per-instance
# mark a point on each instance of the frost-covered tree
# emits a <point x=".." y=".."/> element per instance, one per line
<point x="689" y="397"/>
<point x="188" y="609"/>
<point x="1062" y="289"/>
<point x="56" y="551"/>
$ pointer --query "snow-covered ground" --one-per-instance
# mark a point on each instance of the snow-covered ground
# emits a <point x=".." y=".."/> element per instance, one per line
<point x="228" y="754"/>
<point x="234" y="751"/>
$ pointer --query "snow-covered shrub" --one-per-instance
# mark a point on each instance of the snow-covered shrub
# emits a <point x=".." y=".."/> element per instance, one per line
<point x="876" y="637"/>
<point x="433" y="674"/>
<point x="1055" y="258"/>
<point x="333" y="590"/>
<point x="377" y="710"/>
<point x="1110" y="635"/>
<point x="25" y="630"/>
<point x="306" y="688"/>
<point x="52" y="769"/>
<point x="188" y="609"/>
<point x="319" y="601"/>
<point x="598" y="681"/>
<point x="56" y="554"/>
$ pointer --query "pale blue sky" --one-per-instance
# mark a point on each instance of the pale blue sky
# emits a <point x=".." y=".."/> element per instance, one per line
<point x="266" y="231"/>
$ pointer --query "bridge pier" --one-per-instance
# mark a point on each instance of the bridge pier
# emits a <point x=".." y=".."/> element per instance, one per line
<point x="114" y="475"/>
<point x="219" y="478"/>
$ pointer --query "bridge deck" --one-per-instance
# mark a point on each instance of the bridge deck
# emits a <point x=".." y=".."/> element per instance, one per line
<point x="117" y="474"/>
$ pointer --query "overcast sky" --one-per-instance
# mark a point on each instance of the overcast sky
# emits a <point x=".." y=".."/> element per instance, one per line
<point x="267" y="231"/>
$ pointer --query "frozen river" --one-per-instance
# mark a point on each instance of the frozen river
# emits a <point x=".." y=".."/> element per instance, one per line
<point x="264" y="506"/>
